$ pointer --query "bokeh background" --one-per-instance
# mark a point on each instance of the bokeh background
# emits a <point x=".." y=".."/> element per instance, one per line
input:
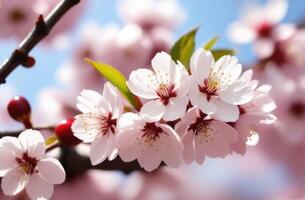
<point x="248" y="177"/>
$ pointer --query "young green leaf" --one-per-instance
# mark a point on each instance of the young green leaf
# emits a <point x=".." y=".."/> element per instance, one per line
<point x="218" y="53"/>
<point x="211" y="43"/>
<point x="117" y="79"/>
<point x="184" y="48"/>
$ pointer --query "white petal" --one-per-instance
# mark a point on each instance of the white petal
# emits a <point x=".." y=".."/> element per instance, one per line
<point x="237" y="93"/>
<point x="171" y="147"/>
<point x="51" y="170"/>
<point x="201" y="63"/>
<point x="100" y="149"/>
<point x="86" y="127"/>
<point x="151" y="158"/>
<point x="14" y="181"/>
<point x="7" y="160"/>
<point x="112" y="95"/>
<point x="113" y="155"/>
<point x="38" y="188"/>
<point x="225" y="112"/>
<point x="241" y="33"/>
<point x="92" y="102"/>
<point x="13" y="145"/>
<point x="228" y="69"/>
<point x="33" y="142"/>
<point x="141" y="83"/>
<point x="152" y="111"/>
<point x="188" y="152"/>
<point x="163" y="64"/>
<point x="130" y="120"/>
<point x="129" y="147"/>
<point x="175" y="109"/>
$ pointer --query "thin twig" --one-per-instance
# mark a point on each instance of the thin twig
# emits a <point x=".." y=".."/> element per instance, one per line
<point x="41" y="29"/>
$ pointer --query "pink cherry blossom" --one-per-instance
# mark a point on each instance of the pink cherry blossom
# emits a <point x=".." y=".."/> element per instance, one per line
<point x="215" y="88"/>
<point x="203" y="136"/>
<point x="259" y="23"/>
<point x="144" y="138"/>
<point x="253" y="116"/>
<point x="23" y="164"/>
<point x="98" y="123"/>
<point x="17" y="17"/>
<point x="166" y="87"/>
<point x="152" y="13"/>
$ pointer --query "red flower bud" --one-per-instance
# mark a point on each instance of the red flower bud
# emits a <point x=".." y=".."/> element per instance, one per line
<point x="64" y="133"/>
<point x="20" y="110"/>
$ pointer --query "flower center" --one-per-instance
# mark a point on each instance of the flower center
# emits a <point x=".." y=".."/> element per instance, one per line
<point x="210" y="87"/>
<point x="165" y="92"/>
<point x="264" y="30"/>
<point x="17" y="15"/>
<point x="27" y="164"/>
<point x="297" y="109"/>
<point x="151" y="132"/>
<point x="107" y="124"/>
<point x="201" y="128"/>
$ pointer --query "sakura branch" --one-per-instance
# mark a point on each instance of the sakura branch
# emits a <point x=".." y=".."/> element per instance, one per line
<point x="41" y="29"/>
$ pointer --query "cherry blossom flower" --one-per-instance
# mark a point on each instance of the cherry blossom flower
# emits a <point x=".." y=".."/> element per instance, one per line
<point x="166" y="87"/>
<point x="152" y="13"/>
<point x="203" y="136"/>
<point x="23" y="164"/>
<point x="215" y="88"/>
<point x="253" y="115"/>
<point x="260" y="24"/>
<point x="144" y="138"/>
<point x="17" y="17"/>
<point x="98" y="123"/>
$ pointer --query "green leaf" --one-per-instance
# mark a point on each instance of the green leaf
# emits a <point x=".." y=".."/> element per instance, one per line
<point x="184" y="48"/>
<point x="218" y="53"/>
<point x="117" y="79"/>
<point x="211" y="43"/>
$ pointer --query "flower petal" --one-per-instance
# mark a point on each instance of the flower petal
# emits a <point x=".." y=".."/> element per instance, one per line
<point x="175" y="109"/>
<point x="225" y="112"/>
<point x="92" y="102"/>
<point x="14" y="181"/>
<point x="151" y="157"/>
<point x="101" y="148"/>
<point x="141" y="83"/>
<point x="51" y="170"/>
<point x="152" y="111"/>
<point x="86" y="127"/>
<point x="7" y="160"/>
<point x="112" y="95"/>
<point x="188" y="152"/>
<point x="201" y="63"/>
<point x="32" y="142"/>
<point x="37" y="188"/>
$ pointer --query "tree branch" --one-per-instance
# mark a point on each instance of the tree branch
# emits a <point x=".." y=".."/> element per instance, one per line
<point x="41" y="29"/>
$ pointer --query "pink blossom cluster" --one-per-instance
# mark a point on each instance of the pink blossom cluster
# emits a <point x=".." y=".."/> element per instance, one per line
<point x="212" y="110"/>
<point x="125" y="46"/>
<point x="282" y="67"/>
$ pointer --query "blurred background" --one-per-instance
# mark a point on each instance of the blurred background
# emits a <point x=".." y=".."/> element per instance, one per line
<point x="127" y="34"/>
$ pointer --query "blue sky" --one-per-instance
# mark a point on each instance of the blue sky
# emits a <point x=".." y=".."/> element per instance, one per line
<point x="212" y="15"/>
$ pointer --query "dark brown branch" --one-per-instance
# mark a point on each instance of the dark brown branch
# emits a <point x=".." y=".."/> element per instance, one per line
<point x="16" y="133"/>
<point x="41" y="29"/>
